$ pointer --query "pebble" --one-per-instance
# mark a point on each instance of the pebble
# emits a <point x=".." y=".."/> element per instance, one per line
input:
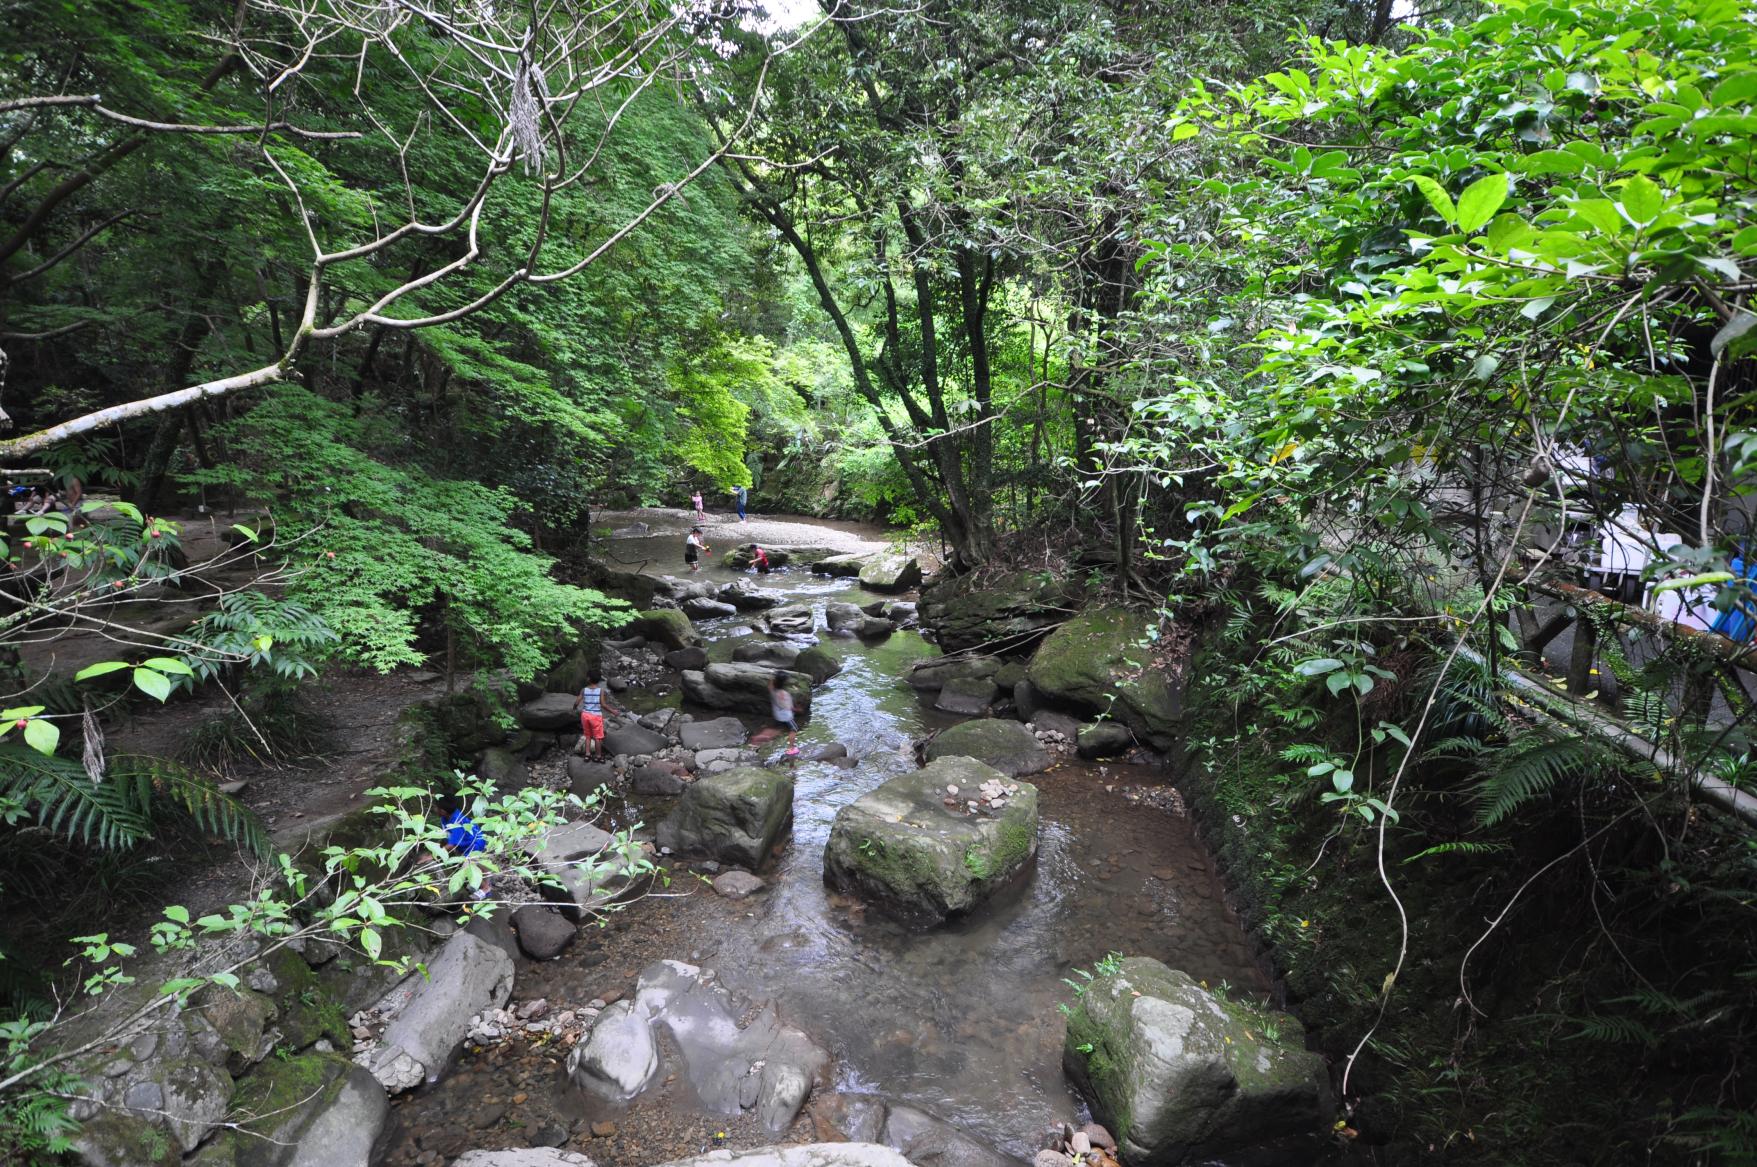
<point x="603" y="1130"/>
<point x="519" y="1099"/>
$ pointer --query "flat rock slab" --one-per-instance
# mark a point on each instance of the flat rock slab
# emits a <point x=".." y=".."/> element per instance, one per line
<point x="1181" y="1076"/>
<point x="902" y="846"/>
<point x="568" y="842"/>
<point x="803" y="1155"/>
<point x="969" y="696"/>
<point x="763" y="1065"/>
<point x="736" y="816"/>
<point x="744" y="687"/>
<point x="919" y="1136"/>
<point x="656" y="779"/>
<point x="523" y="1157"/>
<point x="633" y="738"/>
<point x="790" y="618"/>
<point x="1008" y="746"/>
<point x="666" y="626"/>
<point x="935" y="673"/>
<point x="840" y="565"/>
<point x="717" y="734"/>
<point x="430" y="1016"/>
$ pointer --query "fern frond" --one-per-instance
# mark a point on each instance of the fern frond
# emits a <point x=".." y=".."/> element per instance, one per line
<point x="1526" y="769"/>
<point x="1305" y="753"/>
<point x="1460" y="847"/>
<point x="58" y="793"/>
<point x="1615" y="1030"/>
<point x="158" y="781"/>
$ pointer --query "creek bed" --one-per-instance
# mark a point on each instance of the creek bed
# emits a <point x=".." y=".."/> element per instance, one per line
<point x="962" y="1021"/>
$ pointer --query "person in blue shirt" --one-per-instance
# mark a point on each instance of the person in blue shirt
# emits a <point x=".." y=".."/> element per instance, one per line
<point x="462" y="835"/>
<point x="740" y="494"/>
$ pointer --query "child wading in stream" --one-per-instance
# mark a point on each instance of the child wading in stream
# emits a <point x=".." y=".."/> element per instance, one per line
<point x="694" y="548"/>
<point x="781" y="708"/>
<point x="591" y="707"/>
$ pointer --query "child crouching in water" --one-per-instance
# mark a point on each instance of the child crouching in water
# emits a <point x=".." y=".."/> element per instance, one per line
<point x="781" y="708"/>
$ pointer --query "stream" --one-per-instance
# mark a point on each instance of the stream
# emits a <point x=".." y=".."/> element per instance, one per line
<point x="961" y="1021"/>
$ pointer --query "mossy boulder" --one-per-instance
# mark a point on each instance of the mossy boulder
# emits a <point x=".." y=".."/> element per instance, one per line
<point x="1004" y="613"/>
<point x="1102" y="661"/>
<point x="890" y="571"/>
<point x="1180" y="1076"/>
<point x="1007" y="746"/>
<point x="902" y="846"/>
<point x="817" y="664"/>
<point x="314" y="1110"/>
<point x="666" y="626"/>
<point x="736" y="816"/>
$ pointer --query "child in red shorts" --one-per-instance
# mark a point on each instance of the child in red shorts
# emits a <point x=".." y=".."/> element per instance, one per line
<point x="591" y="706"/>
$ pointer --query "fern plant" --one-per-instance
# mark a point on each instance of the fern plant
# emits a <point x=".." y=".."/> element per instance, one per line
<point x="56" y="793"/>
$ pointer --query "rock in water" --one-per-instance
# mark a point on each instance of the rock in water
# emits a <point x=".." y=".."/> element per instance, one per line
<point x="1006" y="745"/>
<point x="767" y="652"/>
<point x="686" y="658"/>
<point x="736" y="885"/>
<point x="744" y="687"/>
<point x="817" y="664"/>
<point x="736" y="817"/>
<point x="840" y="565"/>
<point x="718" y="734"/>
<point x="633" y="738"/>
<point x="1100" y="661"/>
<point x="668" y="626"/>
<point x="1104" y="739"/>
<point x="903" y="847"/>
<point x="620" y="1058"/>
<point x="790" y="618"/>
<point x="432" y="1012"/>
<point x="935" y="673"/>
<point x="702" y="608"/>
<point x="890" y="571"/>
<point x="843" y="617"/>
<point x="1181" y="1076"/>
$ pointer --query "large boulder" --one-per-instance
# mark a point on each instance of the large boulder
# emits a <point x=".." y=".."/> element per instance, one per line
<point x="890" y="571"/>
<point x="967" y="696"/>
<point x="634" y="738"/>
<point x="1104" y="739"/>
<point x="1000" y="614"/>
<point x="310" y="1110"/>
<point x="744" y="687"/>
<point x="920" y="1137"/>
<point x="817" y="663"/>
<point x="903" y="846"/>
<point x="1181" y="1076"/>
<point x="790" y="619"/>
<point x="736" y="816"/>
<point x="687" y="658"/>
<point x="766" y="652"/>
<point x="550" y="713"/>
<point x="542" y="931"/>
<point x="505" y="770"/>
<point x="1005" y="745"/>
<point x="732" y="1065"/>
<point x="746" y="597"/>
<point x="799" y="1155"/>
<point x="843" y="617"/>
<point x="656" y="780"/>
<point x="636" y="587"/>
<point x="1101" y="661"/>
<point x="933" y="673"/>
<point x="718" y="734"/>
<point x="667" y="626"/>
<point x="703" y="608"/>
<point x="840" y="565"/>
<point x="430" y="1015"/>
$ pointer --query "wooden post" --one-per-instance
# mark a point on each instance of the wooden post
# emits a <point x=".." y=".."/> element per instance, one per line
<point x="1580" y="660"/>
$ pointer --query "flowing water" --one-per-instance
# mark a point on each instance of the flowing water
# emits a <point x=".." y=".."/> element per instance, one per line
<point x="961" y="1021"/>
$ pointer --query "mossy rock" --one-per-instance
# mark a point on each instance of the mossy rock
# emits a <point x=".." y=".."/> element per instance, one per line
<point x="1180" y="1075"/>
<point x="999" y="614"/>
<point x="817" y="664"/>
<point x="903" y="847"/>
<point x="305" y="1111"/>
<point x="307" y="1012"/>
<point x="1008" y="746"/>
<point x="1101" y="661"/>
<point x="666" y="626"/>
<point x="736" y="817"/>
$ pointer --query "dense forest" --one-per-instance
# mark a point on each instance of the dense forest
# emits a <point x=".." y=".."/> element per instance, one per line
<point x="1388" y="365"/>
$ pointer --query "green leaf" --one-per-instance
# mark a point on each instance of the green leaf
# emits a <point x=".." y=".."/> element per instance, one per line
<point x="42" y="736"/>
<point x="1601" y="213"/>
<point x="1642" y="200"/>
<point x="1480" y="200"/>
<point x="229" y="980"/>
<point x="168" y="664"/>
<point x="1437" y="197"/>
<point x="1695" y="581"/>
<point x="1342" y="780"/>
<point x="1738" y="89"/>
<point x="102" y="668"/>
<point x="1184" y="131"/>
<point x="371" y="942"/>
<point x="1552" y="162"/>
<point x="249" y="533"/>
<point x="153" y="684"/>
<point x="1317" y="667"/>
<point x="1735" y="328"/>
<point x="178" y="913"/>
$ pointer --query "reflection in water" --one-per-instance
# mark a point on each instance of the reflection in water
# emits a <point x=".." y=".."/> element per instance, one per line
<point x="963" y="1020"/>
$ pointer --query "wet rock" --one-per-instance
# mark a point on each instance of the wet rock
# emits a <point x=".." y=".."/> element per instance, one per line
<point x="310" y="1110"/>
<point x="817" y="664"/>
<point x="633" y="738"/>
<point x="543" y="932"/>
<point x="1005" y="745"/>
<point x="736" y="885"/>
<point x="742" y="556"/>
<point x="824" y="753"/>
<point x="790" y="619"/>
<point x="744" y="687"/>
<point x="620" y="1058"/>
<point x="874" y="628"/>
<point x="890" y="571"/>
<point x="901" y="846"/>
<point x="735" y="817"/>
<point x="1025" y="701"/>
<point x="693" y="588"/>
<point x="656" y="780"/>
<point x="523" y="1157"/>
<point x="567" y="842"/>
<point x="659" y="720"/>
<point x="804" y="1155"/>
<point x="706" y="609"/>
<point x="717" y="734"/>
<point x="1182" y="1076"/>
<point x="668" y="627"/>
<point x="936" y="672"/>
<point x="746" y="598"/>
<point x="843" y="617"/>
<point x="925" y="1138"/>
<point x="969" y="696"/>
<point x="1104" y="739"/>
<point x="1053" y="721"/>
<point x="584" y="887"/>
<point x="1101" y="661"/>
<point x="1098" y="1137"/>
<point x="686" y="658"/>
<point x="430" y="1015"/>
<point x="902" y="613"/>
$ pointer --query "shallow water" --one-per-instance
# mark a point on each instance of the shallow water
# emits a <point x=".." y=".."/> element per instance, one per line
<point x="962" y="1021"/>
